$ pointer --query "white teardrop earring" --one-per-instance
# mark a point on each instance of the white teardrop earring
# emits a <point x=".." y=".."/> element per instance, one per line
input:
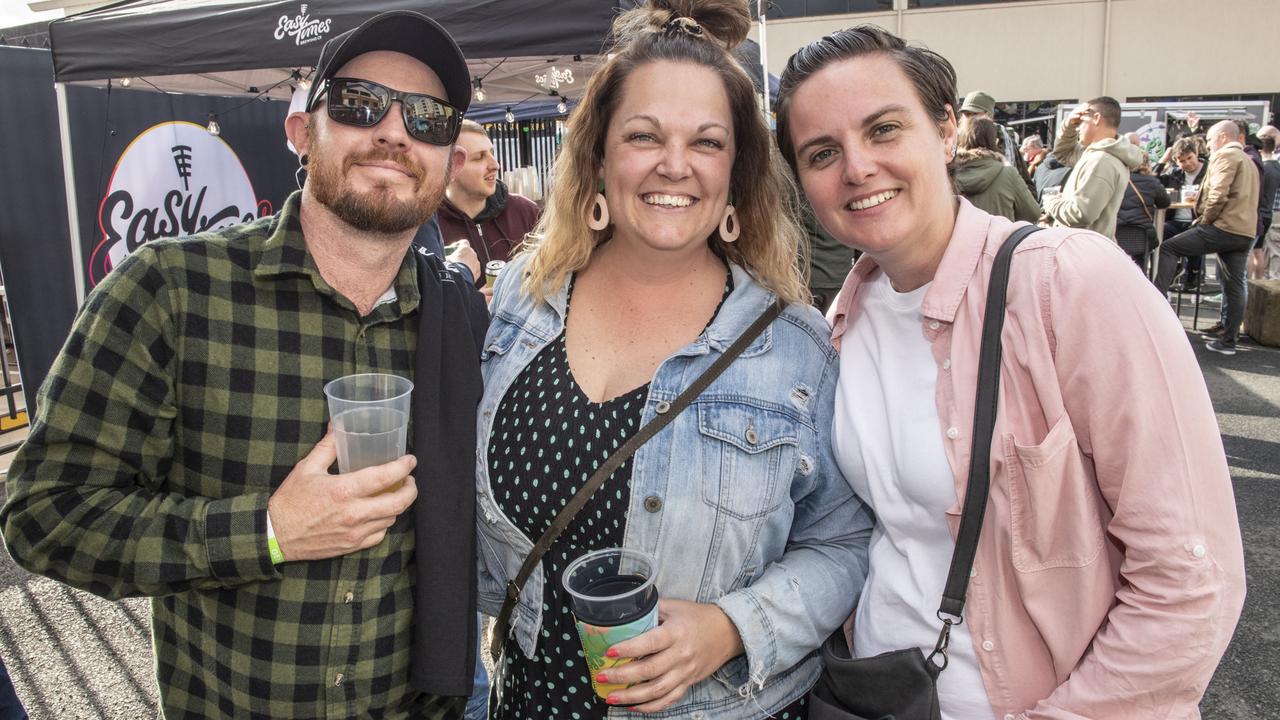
<point x="598" y="215"/>
<point x="729" y="228"/>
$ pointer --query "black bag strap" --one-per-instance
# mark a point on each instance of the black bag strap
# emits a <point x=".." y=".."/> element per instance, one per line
<point x="984" y="423"/>
<point x="579" y="500"/>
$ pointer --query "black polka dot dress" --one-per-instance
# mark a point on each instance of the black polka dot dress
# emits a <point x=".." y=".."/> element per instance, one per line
<point x="548" y="438"/>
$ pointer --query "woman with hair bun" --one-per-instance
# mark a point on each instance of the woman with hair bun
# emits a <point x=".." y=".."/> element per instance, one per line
<point x="671" y="227"/>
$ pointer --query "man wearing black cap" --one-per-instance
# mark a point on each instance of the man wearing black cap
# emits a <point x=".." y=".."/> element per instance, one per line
<point x="175" y="449"/>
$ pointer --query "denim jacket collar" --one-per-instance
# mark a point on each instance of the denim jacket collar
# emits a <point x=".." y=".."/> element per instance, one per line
<point x="747" y="301"/>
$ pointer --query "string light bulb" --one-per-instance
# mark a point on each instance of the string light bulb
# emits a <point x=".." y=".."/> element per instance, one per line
<point x="126" y="82"/>
<point x="510" y="117"/>
<point x="213" y="127"/>
<point x="479" y="91"/>
<point x="562" y="107"/>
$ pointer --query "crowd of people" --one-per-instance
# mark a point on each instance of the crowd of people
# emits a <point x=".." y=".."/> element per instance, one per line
<point x="811" y="473"/>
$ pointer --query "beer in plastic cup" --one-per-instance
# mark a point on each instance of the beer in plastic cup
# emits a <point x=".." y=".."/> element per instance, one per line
<point x="613" y="599"/>
<point x="370" y="414"/>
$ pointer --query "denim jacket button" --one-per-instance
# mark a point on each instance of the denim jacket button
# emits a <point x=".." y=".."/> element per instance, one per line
<point x="752" y="437"/>
<point x="662" y="407"/>
<point x="653" y="503"/>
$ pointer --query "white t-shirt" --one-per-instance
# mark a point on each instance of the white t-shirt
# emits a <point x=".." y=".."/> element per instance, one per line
<point x="888" y="443"/>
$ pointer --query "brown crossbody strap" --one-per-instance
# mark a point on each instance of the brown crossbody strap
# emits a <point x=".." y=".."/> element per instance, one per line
<point x="1141" y="199"/>
<point x="664" y="417"/>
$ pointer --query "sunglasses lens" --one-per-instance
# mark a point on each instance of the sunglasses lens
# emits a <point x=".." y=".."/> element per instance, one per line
<point x="357" y="103"/>
<point x="430" y="120"/>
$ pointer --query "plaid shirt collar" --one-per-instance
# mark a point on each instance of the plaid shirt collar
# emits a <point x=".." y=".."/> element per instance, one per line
<point x="282" y="252"/>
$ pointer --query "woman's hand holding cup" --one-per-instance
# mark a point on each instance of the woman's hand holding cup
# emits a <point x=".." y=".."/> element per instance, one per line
<point x="692" y="641"/>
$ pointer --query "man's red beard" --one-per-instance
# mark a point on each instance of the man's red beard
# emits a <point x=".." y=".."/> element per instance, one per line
<point x="377" y="210"/>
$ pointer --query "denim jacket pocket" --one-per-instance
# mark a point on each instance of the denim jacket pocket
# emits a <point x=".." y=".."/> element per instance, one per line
<point x="1053" y="502"/>
<point x="502" y="335"/>
<point x="747" y="450"/>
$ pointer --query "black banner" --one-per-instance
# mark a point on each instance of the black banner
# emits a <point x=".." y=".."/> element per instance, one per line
<point x="148" y="167"/>
<point x="35" y="253"/>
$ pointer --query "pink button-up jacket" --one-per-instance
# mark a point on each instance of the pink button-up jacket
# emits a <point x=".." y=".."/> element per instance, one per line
<point x="1109" y="574"/>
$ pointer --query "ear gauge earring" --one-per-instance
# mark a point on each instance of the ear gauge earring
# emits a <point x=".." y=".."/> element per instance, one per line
<point x="598" y="215"/>
<point x="301" y="171"/>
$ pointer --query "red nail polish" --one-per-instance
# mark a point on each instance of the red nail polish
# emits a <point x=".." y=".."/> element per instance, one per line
<point x="611" y="700"/>
<point x="602" y="678"/>
<point x="611" y="653"/>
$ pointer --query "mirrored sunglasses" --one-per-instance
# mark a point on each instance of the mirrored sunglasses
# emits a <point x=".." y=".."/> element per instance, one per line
<point x="363" y="103"/>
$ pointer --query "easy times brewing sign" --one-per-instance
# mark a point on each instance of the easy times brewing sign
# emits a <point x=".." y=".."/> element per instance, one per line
<point x="174" y="179"/>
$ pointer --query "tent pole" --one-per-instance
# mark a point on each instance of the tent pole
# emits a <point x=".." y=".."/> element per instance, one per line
<point x="69" y="181"/>
<point x="762" y="8"/>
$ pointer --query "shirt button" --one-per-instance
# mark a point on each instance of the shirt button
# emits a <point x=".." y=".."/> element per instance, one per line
<point x="946" y="364"/>
<point x="973" y="572"/>
<point x="337" y="680"/>
<point x="348" y="597"/>
<point x="653" y="503"/>
<point x="662" y="407"/>
<point x="953" y="433"/>
<point x="933" y="324"/>
<point x="988" y="645"/>
<point x="1198" y="551"/>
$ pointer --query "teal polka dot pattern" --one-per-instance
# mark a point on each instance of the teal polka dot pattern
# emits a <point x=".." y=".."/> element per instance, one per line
<point x="547" y="440"/>
<point x="545" y="444"/>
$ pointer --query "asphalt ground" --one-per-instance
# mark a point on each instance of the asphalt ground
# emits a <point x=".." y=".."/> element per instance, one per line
<point x="74" y="655"/>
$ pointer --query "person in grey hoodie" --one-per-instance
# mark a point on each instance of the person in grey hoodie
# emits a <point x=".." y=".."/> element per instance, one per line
<point x="1101" y="162"/>
<point x="983" y="176"/>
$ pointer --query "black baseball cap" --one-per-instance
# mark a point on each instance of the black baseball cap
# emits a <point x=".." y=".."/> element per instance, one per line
<point x="402" y="31"/>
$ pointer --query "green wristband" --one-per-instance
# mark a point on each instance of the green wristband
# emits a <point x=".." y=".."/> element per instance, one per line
<point x="273" y="548"/>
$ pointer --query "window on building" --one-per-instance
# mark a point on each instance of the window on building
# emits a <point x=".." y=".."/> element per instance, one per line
<point x="780" y="9"/>
<point x="950" y="3"/>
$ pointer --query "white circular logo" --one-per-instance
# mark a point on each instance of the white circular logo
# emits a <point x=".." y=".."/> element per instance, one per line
<point x="174" y="179"/>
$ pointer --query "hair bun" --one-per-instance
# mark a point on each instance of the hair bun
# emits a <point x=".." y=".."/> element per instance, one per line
<point x="724" y="22"/>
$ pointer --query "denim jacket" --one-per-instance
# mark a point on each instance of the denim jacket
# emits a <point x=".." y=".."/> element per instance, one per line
<point x="739" y="499"/>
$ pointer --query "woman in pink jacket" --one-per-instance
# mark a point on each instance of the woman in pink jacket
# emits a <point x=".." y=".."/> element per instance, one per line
<point x="1109" y="573"/>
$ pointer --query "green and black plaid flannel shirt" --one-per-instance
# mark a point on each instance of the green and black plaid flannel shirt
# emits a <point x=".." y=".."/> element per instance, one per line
<point x="187" y="390"/>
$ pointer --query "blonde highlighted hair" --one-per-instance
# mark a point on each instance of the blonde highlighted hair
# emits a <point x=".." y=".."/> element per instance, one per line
<point x="762" y="191"/>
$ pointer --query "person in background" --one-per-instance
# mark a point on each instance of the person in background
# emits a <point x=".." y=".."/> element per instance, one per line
<point x="1226" y="223"/>
<point x="180" y="449"/>
<point x="671" y="228"/>
<point x="1100" y="162"/>
<point x="1033" y="153"/>
<point x="1143" y="196"/>
<point x="985" y="179"/>
<point x="829" y="261"/>
<point x="1188" y="168"/>
<point x="1269" y="263"/>
<point x="1109" y="572"/>
<point x="478" y="210"/>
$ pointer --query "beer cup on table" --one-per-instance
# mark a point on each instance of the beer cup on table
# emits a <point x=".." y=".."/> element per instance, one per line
<point x="614" y="599"/>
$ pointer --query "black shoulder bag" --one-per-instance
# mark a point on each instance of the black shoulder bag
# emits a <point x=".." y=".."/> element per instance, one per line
<point x="643" y="435"/>
<point x="903" y="684"/>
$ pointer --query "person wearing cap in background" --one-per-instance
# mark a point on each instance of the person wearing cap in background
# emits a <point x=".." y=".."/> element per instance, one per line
<point x="980" y="104"/>
<point x="180" y="447"/>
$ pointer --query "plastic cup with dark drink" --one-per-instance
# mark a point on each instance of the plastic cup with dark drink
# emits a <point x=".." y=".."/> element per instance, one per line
<point x="613" y="599"/>
<point x="370" y="414"/>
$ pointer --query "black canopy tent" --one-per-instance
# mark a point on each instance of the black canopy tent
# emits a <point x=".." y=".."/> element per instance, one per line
<point x="525" y="51"/>
<point x="250" y="47"/>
